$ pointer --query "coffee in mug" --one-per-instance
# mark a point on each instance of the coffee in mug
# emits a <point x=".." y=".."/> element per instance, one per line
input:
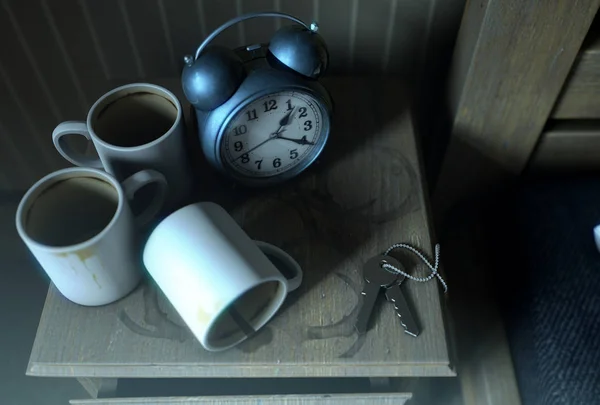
<point x="224" y="285"/>
<point x="134" y="127"/>
<point x="78" y="225"/>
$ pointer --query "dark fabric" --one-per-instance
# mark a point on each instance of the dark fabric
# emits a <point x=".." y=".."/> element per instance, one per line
<point x="548" y="285"/>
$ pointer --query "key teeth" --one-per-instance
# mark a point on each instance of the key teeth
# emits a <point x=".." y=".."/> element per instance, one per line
<point x="405" y="326"/>
<point x="402" y="322"/>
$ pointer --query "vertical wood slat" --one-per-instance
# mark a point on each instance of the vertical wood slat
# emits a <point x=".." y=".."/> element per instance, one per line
<point x="18" y="157"/>
<point x="408" y="36"/>
<point x="371" y="32"/>
<point x="135" y="51"/>
<point x="64" y="54"/>
<point x="258" y="30"/>
<point x="511" y="60"/>
<point x="304" y="10"/>
<point x="29" y="103"/>
<point x="109" y="26"/>
<point x="22" y="52"/>
<point x="15" y="172"/>
<point x="88" y="21"/>
<point x="215" y="14"/>
<point x="186" y="28"/>
<point x="334" y="23"/>
<point x="24" y="134"/>
<point x="149" y="37"/>
<point x="72" y="28"/>
<point x="38" y="34"/>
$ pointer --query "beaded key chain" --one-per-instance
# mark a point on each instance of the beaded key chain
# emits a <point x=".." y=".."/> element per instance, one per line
<point x="434" y="268"/>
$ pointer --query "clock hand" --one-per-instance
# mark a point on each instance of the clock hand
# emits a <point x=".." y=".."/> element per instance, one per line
<point x="285" y="121"/>
<point x="301" y="141"/>
<point x="274" y="135"/>
<point x="256" y="147"/>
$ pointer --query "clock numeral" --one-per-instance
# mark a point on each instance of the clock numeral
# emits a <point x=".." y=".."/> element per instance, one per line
<point x="302" y="111"/>
<point x="251" y="114"/>
<point x="258" y="163"/>
<point x="289" y="104"/>
<point x="307" y="125"/>
<point x="245" y="158"/>
<point x="276" y="162"/>
<point x="270" y="105"/>
<point x="238" y="146"/>
<point x="241" y="130"/>
<point x="293" y="154"/>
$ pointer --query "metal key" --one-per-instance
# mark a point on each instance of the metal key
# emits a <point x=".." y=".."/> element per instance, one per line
<point x="395" y="295"/>
<point x="376" y="278"/>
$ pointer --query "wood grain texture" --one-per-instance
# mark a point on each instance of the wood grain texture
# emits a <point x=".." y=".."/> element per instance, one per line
<point x="580" y="97"/>
<point x="568" y="145"/>
<point x="151" y="37"/>
<point x="113" y="42"/>
<point x="365" y="193"/>
<point x="510" y="62"/>
<point x="335" y="399"/>
<point x="259" y="30"/>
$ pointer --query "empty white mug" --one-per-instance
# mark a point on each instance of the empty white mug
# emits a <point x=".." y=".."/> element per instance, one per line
<point x="78" y="225"/>
<point x="134" y="127"/>
<point x="221" y="282"/>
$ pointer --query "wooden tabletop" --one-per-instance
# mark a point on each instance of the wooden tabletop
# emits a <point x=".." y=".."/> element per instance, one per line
<point x="365" y="193"/>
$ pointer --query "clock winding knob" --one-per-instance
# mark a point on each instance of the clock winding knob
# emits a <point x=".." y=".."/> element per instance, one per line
<point x="212" y="79"/>
<point x="302" y="50"/>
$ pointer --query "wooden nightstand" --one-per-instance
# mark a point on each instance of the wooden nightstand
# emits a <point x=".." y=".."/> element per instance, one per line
<point x="364" y="194"/>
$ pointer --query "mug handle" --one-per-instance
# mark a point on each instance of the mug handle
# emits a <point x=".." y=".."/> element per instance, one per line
<point x="141" y="179"/>
<point x="268" y="249"/>
<point x="74" y="128"/>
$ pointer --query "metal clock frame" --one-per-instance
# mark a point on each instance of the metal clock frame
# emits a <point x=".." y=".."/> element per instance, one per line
<point x="262" y="80"/>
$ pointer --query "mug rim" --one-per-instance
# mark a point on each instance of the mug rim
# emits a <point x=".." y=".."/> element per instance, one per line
<point x="103" y="99"/>
<point x="274" y="307"/>
<point x="34" y="192"/>
<point x="202" y="332"/>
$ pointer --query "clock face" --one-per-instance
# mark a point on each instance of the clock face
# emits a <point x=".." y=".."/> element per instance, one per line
<point x="274" y="134"/>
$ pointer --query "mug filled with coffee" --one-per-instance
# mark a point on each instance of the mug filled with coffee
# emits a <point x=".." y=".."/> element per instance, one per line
<point x="78" y="224"/>
<point x="133" y="127"/>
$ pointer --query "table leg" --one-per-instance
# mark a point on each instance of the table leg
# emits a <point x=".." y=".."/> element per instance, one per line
<point x="99" y="387"/>
<point x="380" y="384"/>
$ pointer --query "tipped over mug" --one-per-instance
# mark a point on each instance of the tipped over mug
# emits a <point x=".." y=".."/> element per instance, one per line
<point x="224" y="285"/>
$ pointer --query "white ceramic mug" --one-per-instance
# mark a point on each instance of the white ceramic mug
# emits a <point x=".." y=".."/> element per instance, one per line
<point x="220" y="281"/>
<point x="78" y="225"/>
<point x="134" y="127"/>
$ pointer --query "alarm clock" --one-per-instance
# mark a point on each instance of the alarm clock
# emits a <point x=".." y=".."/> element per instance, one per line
<point x="262" y="116"/>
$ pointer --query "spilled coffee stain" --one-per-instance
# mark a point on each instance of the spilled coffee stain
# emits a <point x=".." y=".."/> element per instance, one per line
<point x="203" y="316"/>
<point x="161" y="326"/>
<point x="96" y="280"/>
<point x="345" y="326"/>
<point x="85" y="254"/>
<point x="401" y="196"/>
<point x="338" y="207"/>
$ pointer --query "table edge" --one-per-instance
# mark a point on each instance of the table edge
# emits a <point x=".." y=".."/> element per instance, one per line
<point x="36" y="369"/>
